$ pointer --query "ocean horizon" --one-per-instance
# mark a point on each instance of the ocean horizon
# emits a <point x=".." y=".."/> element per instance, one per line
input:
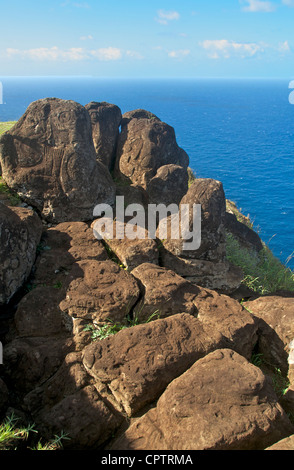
<point x="237" y="131"/>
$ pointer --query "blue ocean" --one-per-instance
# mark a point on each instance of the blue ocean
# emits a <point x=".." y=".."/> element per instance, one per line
<point x="240" y="132"/>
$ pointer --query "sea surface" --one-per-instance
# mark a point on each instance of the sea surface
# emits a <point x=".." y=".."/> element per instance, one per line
<point x="240" y="132"/>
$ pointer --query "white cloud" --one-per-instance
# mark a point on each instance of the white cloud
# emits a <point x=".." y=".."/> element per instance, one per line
<point x="134" y="55"/>
<point x="73" y="54"/>
<point x="223" y="48"/>
<point x="289" y="3"/>
<point x="254" y="6"/>
<point x="48" y="53"/>
<point x="179" y="53"/>
<point x="163" y="17"/>
<point x="284" y="47"/>
<point x="107" y="53"/>
<point x="85" y="38"/>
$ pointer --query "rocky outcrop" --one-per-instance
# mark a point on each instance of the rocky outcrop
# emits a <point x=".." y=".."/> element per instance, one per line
<point x="20" y="234"/>
<point x="49" y="159"/>
<point x="130" y="343"/>
<point x="105" y="119"/>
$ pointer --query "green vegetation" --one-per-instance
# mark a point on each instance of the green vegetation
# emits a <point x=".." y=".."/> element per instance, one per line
<point x="279" y="381"/>
<point x="5" y="126"/>
<point x="10" y="195"/>
<point x="263" y="272"/>
<point x="191" y="176"/>
<point x="111" y="328"/>
<point x="13" y="437"/>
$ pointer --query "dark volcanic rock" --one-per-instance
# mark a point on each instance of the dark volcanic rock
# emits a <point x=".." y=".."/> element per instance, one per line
<point x="49" y="159"/>
<point x="145" y="144"/>
<point x="106" y="119"/>
<point x="20" y="233"/>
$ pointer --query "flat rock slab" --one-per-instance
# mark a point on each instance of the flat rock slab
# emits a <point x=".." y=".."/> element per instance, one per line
<point x="221" y="403"/>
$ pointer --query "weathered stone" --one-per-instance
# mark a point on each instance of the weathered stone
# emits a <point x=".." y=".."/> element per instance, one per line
<point x="207" y="265"/>
<point x="134" y="252"/>
<point x="4" y="396"/>
<point x="69" y="379"/>
<point x="29" y="362"/>
<point x="276" y="329"/>
<point x="144" y="145"/>
<point x="38" y="314"/>
<point x="247" y="237"/>
<point x="169" y="185"/>
<point x="61" y="247"/>
<point x="221" y="403"/>
<point x="137" y="363"/>
<point x="48" y="157"/>
<point x="20" y="233"/>
<point x="83" y="417"/>
<point x="105" y="119"/>
<point x="166" y="293"/>
<point x="100" y="291"/>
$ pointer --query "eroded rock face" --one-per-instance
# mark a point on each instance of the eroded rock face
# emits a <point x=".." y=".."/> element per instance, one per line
<point x="276" y="325"/>
<point x="146" y="144"/>
<point x="221" y="403"/>
<point x="100" y="291"/>
<point x="205" y="265"/>
<point x="169" y="185"/>
<point x="49" y="159"/>
<point x="20" y="234"/>
<point x="105" y="119"/>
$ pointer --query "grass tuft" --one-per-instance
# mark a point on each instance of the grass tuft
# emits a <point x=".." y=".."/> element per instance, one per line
<point x="263" y="272"/>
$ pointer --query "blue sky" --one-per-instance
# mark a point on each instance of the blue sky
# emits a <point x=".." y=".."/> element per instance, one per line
<point x="134" y="38"/>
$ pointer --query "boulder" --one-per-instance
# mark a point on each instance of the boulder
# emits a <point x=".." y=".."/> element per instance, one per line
<point x="62" y="246"/>
<point x="49" y="159"/>
<point x="145" y="144"/>
<point x="169" y="185"/>
<point x="30" y="361"/>
<point x="204" y="264"/>
<point x="165" y="293"/>
<point x="131" y="252"/>
<point x="200" y="411"/>
<point x="100" y="291"/>
<point x="83" y="416"/>
<point x="105" y="119"/>
<point x="133" y="367"/>
<point x="276" y="329"/>
<point x="246" y="236"/>
<point x="20" y="234"/>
